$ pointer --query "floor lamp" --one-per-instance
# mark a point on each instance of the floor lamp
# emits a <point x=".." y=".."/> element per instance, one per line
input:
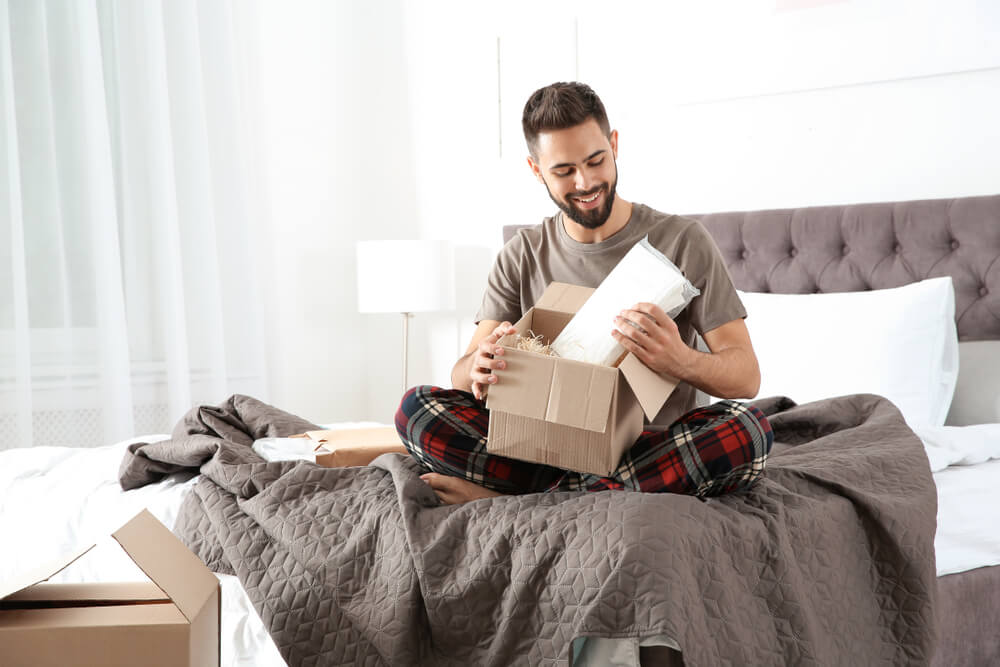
<point x="405" y="277"/>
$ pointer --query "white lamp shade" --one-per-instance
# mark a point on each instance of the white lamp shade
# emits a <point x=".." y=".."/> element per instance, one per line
<point x="405" y="276"/>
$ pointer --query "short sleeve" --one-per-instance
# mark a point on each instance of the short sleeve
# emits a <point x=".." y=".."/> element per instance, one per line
<point x="502" y="301"/>
<point x="704" y="266"/>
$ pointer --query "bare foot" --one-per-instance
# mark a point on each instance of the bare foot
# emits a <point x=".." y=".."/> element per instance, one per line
<point x="454" y="490"/>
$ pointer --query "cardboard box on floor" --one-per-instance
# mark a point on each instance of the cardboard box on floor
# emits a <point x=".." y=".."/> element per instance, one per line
<point x="172" y="620"/>
<point x="340" y="448"/>
<point x="566" y="413"/>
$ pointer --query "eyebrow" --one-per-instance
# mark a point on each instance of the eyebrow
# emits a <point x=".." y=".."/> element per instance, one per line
<point x="563" y="165"/>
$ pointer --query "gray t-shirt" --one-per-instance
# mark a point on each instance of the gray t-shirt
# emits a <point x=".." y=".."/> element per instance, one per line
<point x="546" y="253"/>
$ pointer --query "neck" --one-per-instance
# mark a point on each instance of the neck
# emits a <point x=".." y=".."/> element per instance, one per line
<point x="621" y="212"/>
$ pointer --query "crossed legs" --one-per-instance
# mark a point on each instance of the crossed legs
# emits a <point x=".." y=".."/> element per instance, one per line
<point x="709" y="451"/>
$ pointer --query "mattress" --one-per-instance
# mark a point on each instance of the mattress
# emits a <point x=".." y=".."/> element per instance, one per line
<point x="54" y="499"/>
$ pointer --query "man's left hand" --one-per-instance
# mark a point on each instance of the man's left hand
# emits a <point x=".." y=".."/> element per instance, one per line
<point x="651" y="335"/>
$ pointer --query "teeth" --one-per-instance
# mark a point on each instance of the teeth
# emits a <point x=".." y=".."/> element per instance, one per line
<point x="590" y="199"/>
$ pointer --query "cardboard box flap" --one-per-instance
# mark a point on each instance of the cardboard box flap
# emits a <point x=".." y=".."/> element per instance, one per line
<point x="97" y="592"/>
<point x="580" y="395"/>
<point x="524" y="387"/>
<point x="165" y="560"/>
<point x="40" y="573"/>
<point x="650" y="388"/>
<point x="564" y="297"/>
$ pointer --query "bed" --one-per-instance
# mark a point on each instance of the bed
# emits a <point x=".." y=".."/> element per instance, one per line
<point x="824" y="249"/>
<point x="885" y="245"/>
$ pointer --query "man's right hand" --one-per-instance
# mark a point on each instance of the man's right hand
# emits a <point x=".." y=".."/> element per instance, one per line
<point x="487" y="360"/>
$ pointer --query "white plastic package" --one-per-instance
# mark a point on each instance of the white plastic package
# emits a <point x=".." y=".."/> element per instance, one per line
<point x="643" y="275"/>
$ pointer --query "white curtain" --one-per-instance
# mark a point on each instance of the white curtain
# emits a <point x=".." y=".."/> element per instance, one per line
<point x="130" y="216"/>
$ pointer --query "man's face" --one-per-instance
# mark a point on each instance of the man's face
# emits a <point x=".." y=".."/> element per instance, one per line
<point x="577" y="166"/>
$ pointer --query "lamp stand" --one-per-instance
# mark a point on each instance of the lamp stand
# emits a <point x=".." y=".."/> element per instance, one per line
<point x="406" y="345"/>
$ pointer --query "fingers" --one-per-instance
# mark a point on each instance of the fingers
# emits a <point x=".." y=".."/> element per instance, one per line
<point x="634" y="331"/>
<point x="487" y="349"/>
<point x="652" y="311"/>
<point x="502" y="330"/>
<point x="650" y="319"/>
<point x="635" y="327"/>
<point x="485" y="375"/>
<point x="631" y="341"/>
<point x="479" y="391"/>
<point x="637" y="350"/>
<point x="641" y="318"/>
<point x="485" y="362"/>
<point x="482" y="385"/>
<point x="483" y="381"/>
<point x="489" y="363"/>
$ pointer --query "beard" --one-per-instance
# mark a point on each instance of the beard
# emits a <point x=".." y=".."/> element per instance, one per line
<point x="590" y="219"/>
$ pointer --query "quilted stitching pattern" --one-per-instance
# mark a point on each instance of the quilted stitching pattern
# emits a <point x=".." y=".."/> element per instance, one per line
<point x="828" y="560"/>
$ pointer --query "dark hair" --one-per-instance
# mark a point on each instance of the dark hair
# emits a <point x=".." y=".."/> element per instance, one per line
<point x="559" y="106"/>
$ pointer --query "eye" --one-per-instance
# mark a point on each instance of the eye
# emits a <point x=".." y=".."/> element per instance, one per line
<point x="564" y="174"/>
<point x="596" y="163"/>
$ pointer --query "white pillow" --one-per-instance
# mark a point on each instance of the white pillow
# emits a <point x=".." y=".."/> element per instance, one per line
<point x="900" y="343"/>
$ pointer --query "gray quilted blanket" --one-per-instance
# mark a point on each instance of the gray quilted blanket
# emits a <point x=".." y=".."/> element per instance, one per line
<point x="828" y="560"/>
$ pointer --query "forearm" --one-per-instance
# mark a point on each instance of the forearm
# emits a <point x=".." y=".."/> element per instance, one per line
<point x="728" y="373"/>
<point x="460" y="373"/>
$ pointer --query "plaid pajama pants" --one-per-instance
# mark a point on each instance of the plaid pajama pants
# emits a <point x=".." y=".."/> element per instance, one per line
<point x="707" y="452"/>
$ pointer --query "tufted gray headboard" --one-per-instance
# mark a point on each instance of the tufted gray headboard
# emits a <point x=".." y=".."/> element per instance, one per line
<point x="875" y="246"/>
<point x="871" y="246"/>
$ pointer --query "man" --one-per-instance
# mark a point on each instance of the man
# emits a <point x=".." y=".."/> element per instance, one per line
<point x="706" y="451"/>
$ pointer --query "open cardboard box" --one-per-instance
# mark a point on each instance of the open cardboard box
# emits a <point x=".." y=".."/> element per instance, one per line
<point x="566" y="413"/>
<point x="171" y="620"/>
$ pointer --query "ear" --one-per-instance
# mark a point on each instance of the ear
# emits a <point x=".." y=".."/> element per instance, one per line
<point x="536" y="170"/>
<point x="614" y="143"/>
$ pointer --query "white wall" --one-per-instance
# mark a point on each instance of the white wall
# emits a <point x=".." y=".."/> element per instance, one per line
<point x="738" y="106"/>
<point x="410" y="113"/>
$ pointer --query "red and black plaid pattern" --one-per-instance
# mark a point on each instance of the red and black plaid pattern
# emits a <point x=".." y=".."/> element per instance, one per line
<point x="709" y="451"/>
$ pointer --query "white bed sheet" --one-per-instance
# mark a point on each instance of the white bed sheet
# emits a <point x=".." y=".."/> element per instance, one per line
<point x="968" y="533"/>
<point x="54" y="500"/>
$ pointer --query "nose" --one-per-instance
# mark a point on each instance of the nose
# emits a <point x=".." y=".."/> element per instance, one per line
<point x="584" y="180"/>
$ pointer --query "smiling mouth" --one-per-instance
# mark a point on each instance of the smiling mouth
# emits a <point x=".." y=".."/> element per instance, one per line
<point x="588" y="199"/>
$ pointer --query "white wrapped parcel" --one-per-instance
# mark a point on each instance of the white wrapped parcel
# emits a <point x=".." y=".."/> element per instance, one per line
<point x="643" y="275"/>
